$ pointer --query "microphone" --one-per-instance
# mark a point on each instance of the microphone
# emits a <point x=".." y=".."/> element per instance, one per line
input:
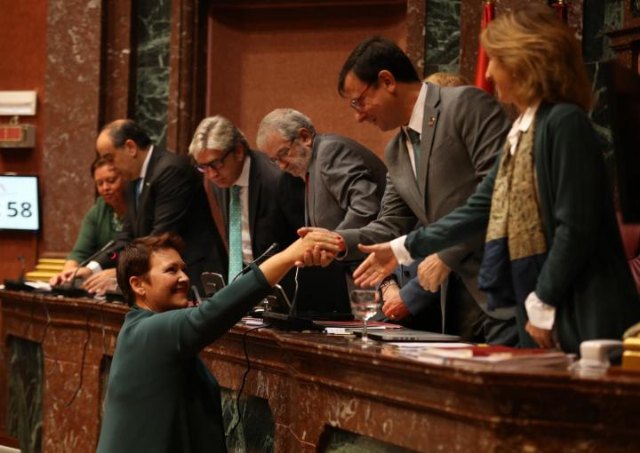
<point x="23" y="270"/>
<point x="18" y="284"/>
<point x="70" y="289"/>
<point x="289" y="319"/>
<point x="91" y="258"/>
<point x="266" y="254"/>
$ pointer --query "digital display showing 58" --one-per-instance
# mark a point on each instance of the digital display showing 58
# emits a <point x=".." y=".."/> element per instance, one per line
<point x="19" y="208"/>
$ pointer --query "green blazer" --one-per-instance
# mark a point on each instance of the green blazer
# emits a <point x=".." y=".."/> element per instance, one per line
<point x="98" y="228"/>
<point x="161" y="398"/>
<point x="585" y="275"/>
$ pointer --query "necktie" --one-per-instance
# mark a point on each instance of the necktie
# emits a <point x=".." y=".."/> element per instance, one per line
<point x="137" y="188"/>
<point x="415" y="141"/>
<point x="235" y="233"/>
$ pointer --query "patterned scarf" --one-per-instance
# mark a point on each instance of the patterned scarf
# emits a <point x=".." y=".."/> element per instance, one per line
<point x="516" y="246"/>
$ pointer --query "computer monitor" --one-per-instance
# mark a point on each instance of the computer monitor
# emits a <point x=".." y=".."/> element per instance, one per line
<point x="19" y="203"/>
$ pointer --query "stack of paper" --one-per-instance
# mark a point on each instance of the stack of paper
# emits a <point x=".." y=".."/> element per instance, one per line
<point x="495" y="357"/>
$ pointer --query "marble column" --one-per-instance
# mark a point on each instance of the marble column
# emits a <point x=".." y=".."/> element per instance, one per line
<point x="71" y="106"/>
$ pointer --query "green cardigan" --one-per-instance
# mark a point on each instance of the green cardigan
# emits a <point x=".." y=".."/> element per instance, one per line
<point x="585" y="275"/>
<point x="98" y="228"/>
<point x="161" y="398"/>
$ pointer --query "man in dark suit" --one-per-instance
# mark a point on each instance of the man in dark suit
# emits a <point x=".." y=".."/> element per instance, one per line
<point x="165" y="193"/>
<point x="222" y="153"/>
<point x="343" y="186"/>
<point x="447" y="142"/>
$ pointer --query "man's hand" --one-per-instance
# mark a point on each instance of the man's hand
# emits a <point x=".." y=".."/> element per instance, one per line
<point x="101" y="282"/>
<point x="380" y="263"/>
<point x="542" y="337"/>
<point x="432" y="272"/>
<point x="393" y="306"/>
<point x="319" y="255"/>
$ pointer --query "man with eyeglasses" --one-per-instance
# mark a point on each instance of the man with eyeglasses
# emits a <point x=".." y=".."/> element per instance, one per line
<point x="248" y="189"/>
<point x="343" y="180"/>
<point x="164" y="194"/>
<point x="447" y="142"/>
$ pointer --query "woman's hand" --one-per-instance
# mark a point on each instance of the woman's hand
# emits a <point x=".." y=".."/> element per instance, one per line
<point x="380" y="263"/>
<point x="542" y="337"/>
<point x="316" y="246"/>
<point x="319" y="255"/>
<point x="67" y="275"/>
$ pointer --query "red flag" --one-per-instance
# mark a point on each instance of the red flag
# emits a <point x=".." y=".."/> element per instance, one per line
<point x="488" y="14"/>
<point x="561" y="10"/>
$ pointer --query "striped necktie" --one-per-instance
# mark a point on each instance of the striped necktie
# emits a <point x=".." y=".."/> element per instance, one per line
<point x="235" y="233"/>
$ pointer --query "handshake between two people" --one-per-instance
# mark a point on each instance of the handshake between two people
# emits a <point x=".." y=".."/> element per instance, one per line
<point x="380" y="262"/>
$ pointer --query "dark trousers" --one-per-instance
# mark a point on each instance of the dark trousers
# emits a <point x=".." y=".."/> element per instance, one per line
<point x="465" y="318"/>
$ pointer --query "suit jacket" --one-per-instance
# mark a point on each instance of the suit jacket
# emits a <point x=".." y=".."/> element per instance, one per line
<point x="463" y="130"/>
<point x="161" y="398"/>
<point x="346" y="184"/>
<point x="267" y="221"/>
<point x="173" y="199"/>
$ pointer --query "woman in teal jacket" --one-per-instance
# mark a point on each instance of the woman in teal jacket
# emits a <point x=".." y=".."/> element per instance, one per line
<point x="161" y="397"/>
<point x="552" y="247"/>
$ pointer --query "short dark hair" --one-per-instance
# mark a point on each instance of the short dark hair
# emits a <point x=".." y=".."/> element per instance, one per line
<point x="100" y="161"/>
<point x="134" y="260"/>
<point x="374" y="55"/>
<point x="122" y="130"/>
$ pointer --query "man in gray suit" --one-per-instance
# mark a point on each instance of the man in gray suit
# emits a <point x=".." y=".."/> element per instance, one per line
<point x="344" y="181"/>
<point x="447" y="143"/>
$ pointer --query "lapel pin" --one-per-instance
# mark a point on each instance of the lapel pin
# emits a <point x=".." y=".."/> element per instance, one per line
<point x="432" y="121"/>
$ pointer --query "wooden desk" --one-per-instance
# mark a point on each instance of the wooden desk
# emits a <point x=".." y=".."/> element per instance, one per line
<point x="317" y="385"/>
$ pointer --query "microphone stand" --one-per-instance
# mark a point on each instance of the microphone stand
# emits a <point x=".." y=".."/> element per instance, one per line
<point x="71" y="289"/>
<point x="19" y="283"/>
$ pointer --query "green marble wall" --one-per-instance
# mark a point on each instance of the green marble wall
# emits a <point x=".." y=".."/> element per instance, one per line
<point x="256" y="429"/>
<point x="152" y="34"/>
<point x="599" y="18"/>
<point x="442" y="52"/>
<point x="339" y="441"/>
<point x="24" y="410"/>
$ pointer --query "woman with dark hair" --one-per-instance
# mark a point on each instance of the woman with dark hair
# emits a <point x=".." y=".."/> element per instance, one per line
<point x="102" y="222"/>
<point x="552" y="247"/>
<point x="161" y="398"/>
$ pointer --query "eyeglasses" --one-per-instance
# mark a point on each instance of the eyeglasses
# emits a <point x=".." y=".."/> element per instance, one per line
<point x="282" y="153"/>
<point x="215" y="164"/>
<point x="358" y="103"/>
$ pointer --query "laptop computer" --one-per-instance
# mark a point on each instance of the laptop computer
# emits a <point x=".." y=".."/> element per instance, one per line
<point x="400" y="335"/>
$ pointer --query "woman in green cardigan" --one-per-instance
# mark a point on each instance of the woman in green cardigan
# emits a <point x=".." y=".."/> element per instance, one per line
<point x="552" y="246"/>
<point x="102" y="222"/>
<point x="161" y="398"/>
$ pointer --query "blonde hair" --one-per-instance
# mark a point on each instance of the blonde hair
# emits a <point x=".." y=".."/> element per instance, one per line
<point x="447" y="79"/>
<point x="542" y="54"/>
